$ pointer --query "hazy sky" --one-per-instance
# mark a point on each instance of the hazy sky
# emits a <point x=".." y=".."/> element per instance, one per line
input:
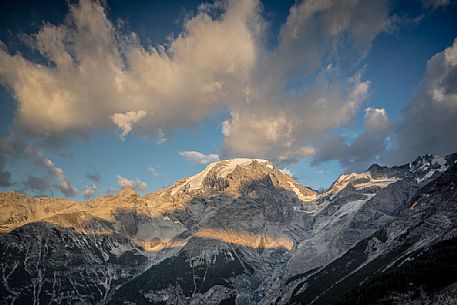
<point x="96" y="96"/>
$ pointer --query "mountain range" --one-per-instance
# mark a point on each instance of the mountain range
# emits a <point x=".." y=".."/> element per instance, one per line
<point x="241" y="232"/>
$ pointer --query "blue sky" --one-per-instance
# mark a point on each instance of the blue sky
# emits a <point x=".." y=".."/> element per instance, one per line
<point x="143" y="93"/>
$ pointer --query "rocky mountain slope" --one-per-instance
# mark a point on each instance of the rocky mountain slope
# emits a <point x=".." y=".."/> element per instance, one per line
<point x="239" y="232"/>
<point x="413" y="254"/>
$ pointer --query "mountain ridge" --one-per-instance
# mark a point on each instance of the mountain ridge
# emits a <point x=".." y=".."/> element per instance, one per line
<point x="244" y="214"/>
<point x="372" y="168"/>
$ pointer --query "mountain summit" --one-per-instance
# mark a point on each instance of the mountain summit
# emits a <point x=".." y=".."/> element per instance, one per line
<point x="240" y="175"/>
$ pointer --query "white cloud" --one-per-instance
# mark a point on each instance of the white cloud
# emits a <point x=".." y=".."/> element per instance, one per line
<point x="287" y="171"/>
<point x="302" y="90"/>
<point x="135" y="184"/>
<point x="89" y="191"/>
<point x="281" y="100"/>
<point x="298" y="153"/>
<point x="283" y="131"/>
<point x="16" y="148"/>
<point x="376" y="119"/>
<point x="358" y="153"/>
<point x="5" y="175"/>
<point x="154" y="171"/>
<point x="435" y="3"/>
<point x="126" y="120"/>
<point x="429" y="123"/>
<point x="64" y="185"/>
<point x="199" y="157"/>
<point x="97" y="70"/>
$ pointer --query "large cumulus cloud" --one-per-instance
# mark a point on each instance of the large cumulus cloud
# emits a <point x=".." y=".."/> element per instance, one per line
<point x="280" y="100"/>
<point x="309" y="84"/>
<point x="429" y="123"/>
<point x="96" y="72"/>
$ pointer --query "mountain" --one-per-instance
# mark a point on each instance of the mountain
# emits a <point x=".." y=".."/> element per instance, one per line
<point x="239" y="232"/>
<point x="412" y="255"/>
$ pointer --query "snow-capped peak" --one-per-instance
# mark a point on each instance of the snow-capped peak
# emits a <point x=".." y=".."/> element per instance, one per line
<point x="221" y="169"/>
<point x="231" y="176"/>
<point x="230" y="165"/>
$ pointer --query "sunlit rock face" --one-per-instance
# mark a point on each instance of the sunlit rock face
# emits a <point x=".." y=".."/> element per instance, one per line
<point x="239" y="232"/>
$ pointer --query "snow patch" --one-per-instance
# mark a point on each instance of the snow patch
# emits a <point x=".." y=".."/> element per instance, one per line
<point x="382" y="183"/>
<point x="427" y="166"/>
<point x="195" y="182"/>
<point x="344" y="180"/>
<point x="347" y="209"/>
<point x="347" y="179"/>
<point x="233" y="163"/>
<point x="300" y="194"/>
